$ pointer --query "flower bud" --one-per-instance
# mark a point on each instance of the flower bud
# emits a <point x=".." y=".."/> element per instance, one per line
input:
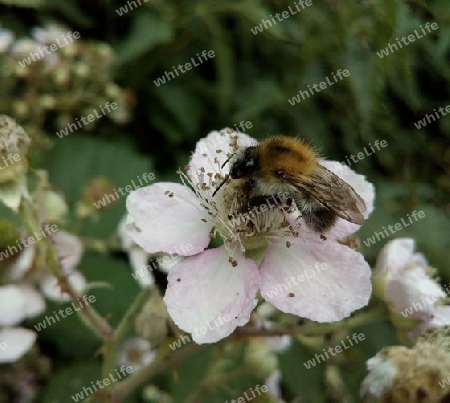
<point x="402" y="375"/>
<point x="151" y="323"/>
<point x="260" y="359"/>
<point x="153" y="395"/>
<point x="14" y="144"/>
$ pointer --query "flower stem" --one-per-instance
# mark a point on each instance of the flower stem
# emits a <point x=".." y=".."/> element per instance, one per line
<point x="109" y="348"/>
<point x="315" y="329"/>
<point x="126" y="386"/>
<point x="49" y="256"/>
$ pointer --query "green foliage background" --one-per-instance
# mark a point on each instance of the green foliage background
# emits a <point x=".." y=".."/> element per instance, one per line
<point x="251" y="79"/>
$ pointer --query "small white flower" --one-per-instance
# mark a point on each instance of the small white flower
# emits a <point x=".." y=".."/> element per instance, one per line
<point x="138" y="256"/>
<point x="408" y="288"/>
<point x="6" y="39"/>
<point x="70" y="251"/>
<point x="136" y="352"/>
<point x="17" y="341"/>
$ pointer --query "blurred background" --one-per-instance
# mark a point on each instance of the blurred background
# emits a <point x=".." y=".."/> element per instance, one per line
<point x="125" y="47"/>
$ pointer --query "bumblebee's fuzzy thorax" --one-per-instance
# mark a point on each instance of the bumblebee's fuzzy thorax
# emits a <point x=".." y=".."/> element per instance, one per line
<point x="285" y="164"/>
<point x="278" y="155"/>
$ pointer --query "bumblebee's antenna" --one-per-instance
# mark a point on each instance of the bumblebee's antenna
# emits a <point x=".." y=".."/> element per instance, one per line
<point x="226" y="177"/>
<point x="225" y="162"/>
<point x="223" y="183"/>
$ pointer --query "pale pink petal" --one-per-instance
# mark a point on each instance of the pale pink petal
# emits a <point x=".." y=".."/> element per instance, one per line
<point x="70" y="250"/>
<point x="22" y="264"/>
<point x="440" y="317"/>
<point x="361" y="186"/>
<point x="138" y="257"/>
<point x="140" y="267"/>
<point x="6" y="39"/>
<point x="165" y="217"/>
<point x="13" y="305"/>
<point x="135" y="352"/>
<point x="52" y="289"/>
<point x="208" y="297"/>
<point x="273" y="384"/>
<point x="212" y="151"/>
<point x="320" y="280"/>
<point x="14" y="343"/>
<point x="432" y="318"/>
<point x="395" y="255"/>
<point x="35" y="303"/>
<point x="412" y="286"/>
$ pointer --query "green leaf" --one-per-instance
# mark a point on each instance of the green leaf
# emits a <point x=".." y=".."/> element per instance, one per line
<point x="70" y="381"/>
<point x="71" y="171"/>
<point x="148" y="31"/>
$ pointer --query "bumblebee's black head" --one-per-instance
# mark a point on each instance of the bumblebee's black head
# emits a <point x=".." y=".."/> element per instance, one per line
<point x="245" y="164"/>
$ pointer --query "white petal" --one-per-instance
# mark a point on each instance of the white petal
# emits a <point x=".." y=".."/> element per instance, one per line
<point x="6" y="39"/>
<point x="395" y="255"/>
<point x="126" y="241"/>
<point x="381" y="376"/>
<point x="212" y="151"/>
<point x="52" y="290"/>
<point x="208" y="297"/>
<point x="438" y="316"/>
<point x="273" y="384"/>
<point x="413" y="288"/>
<point x="13" y="304"/>
<point x="139" y="264"/>
<point x="320" y="280"/>
<point x="17" y="341"/>
<point x="22" y="264"/>
<point x="35" y="303"/>
<point x="70" y="250"/>
<point x="167" y="217"/>
<point x="135" y="352"/>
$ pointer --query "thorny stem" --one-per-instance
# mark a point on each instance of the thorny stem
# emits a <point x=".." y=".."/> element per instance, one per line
<point x="47" y="252"/>
<point x="314" y="329"/>
<point x="124" y="387"/>
<point x="109" y="348"/>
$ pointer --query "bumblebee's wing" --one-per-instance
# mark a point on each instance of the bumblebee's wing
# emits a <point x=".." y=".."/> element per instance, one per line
<point x="328" y="189"/>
